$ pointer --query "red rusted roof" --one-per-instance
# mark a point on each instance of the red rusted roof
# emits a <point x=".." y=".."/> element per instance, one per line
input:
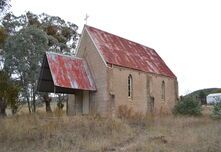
<point x="123" y="52"/>
<point x="70" y="72"/>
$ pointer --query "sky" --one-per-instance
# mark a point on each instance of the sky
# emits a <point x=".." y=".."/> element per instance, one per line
<point x="185" y="33"/>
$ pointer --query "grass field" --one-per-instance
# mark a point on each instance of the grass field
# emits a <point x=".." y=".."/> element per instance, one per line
<point x="59" y="133"/>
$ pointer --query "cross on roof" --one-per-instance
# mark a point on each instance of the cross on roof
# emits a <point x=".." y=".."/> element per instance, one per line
<point x="86" y="18"/>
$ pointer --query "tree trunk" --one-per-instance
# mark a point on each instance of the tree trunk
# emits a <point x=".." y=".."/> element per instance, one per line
<point x="29" y="106"/>
<point x="2" y="112"/>
<point x="60" y="105"/>
<point x="3" y="106"/>
<point x="34" y="103"/>
<point x="47" y="101"/>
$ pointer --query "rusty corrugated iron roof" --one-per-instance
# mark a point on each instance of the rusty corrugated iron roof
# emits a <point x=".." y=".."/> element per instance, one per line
<point x="122" y="52"/>
<point x="70" y="72"/>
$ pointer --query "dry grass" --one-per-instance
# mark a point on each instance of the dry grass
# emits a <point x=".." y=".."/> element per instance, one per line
<point x="40" y="132"/>
<point x="40" y="109"/>
<point x="59" y="133"/>
<point x="181" y="134"/>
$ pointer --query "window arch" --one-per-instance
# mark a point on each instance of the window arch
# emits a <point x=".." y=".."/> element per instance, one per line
<point x="163" y="90"/>
<point x="130" y="86"/>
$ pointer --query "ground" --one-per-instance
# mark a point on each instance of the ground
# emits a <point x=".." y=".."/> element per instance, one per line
<point x="59" y="133"/>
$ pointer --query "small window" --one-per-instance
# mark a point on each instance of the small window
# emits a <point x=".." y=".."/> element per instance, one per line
<point x="130" y="86"/>
<point x="163" y="90"/>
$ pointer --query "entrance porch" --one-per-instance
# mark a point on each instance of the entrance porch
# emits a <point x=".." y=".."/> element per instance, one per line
<point x="69" y="75"/>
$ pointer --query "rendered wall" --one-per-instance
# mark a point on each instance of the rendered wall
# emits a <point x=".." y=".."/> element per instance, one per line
<point x="112" y="85"/>
<point x="99" y="99"/>
<point x="145" y="86"/>
<point x="75" y="103"/>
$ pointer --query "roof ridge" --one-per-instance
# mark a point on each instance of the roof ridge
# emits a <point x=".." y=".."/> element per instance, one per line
<point x="120" y="37"/>
<point x="64" y="55"/>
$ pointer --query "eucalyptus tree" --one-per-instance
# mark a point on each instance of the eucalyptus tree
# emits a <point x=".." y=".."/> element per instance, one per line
<point x="3" y="36"/>
<point x="62" y="35"/>
<point x="29" y="36"/>
<point x="4" y="6"/>
<point x="22" y="59"/>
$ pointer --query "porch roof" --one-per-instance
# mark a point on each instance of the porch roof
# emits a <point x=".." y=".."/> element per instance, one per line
<point x="64" y="74"/>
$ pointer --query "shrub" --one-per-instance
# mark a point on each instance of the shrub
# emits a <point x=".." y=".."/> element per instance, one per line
<point x="188" y="106"/>
<point x="216" y="114"/>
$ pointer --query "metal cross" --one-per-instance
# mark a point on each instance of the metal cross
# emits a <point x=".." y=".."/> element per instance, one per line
<point x="86" y="17"/>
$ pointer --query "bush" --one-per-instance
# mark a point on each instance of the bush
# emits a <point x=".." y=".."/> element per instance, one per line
<point x="216" y="114"/>
<point x="188" y="106"/>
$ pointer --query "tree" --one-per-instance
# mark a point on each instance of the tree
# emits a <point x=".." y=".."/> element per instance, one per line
<point x="4" y="5"/>
<point x="47" y="101"/>
<point x="3" y="36"/>
<point x="8" y="94"/>
<point x="61" y="99"/>
<point x="62" y="35"/>
<point x="23" y="56"/>
<point x="202" y="97"/>
<point x="188" y="106"/>
<point x="30" y="35"/>
<point x="13" y="24"/>
<point x="216" y="113"/>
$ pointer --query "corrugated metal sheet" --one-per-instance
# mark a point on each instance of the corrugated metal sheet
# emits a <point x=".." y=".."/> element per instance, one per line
<point x="70" y="72"/>
<point x="122" y="52"/>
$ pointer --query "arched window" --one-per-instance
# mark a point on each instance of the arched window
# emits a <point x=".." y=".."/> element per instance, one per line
<point x="163" y="90"/>
<point x="130" y="86"/>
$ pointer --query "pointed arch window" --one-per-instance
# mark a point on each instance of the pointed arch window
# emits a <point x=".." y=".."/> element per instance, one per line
<point x="130" y="86"/>
<point x="163" y="90"/>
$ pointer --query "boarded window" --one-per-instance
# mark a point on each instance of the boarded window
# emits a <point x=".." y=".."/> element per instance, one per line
<point x="130" y="86"/>
<point x="163" y="90"/>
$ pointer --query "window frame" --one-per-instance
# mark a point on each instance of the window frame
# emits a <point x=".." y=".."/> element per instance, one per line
<point x="163" y="90"/>
<point x="130" y="86"/>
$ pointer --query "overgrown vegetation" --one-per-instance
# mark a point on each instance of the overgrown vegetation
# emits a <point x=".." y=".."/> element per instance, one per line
<point x="8" y="94"/>
<point x="40" y="132"/>
<point x="216" y="114"/>
<point x="4" y="6"/>
<point x="45" y="132"/>
<point x="188" y="106"/>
